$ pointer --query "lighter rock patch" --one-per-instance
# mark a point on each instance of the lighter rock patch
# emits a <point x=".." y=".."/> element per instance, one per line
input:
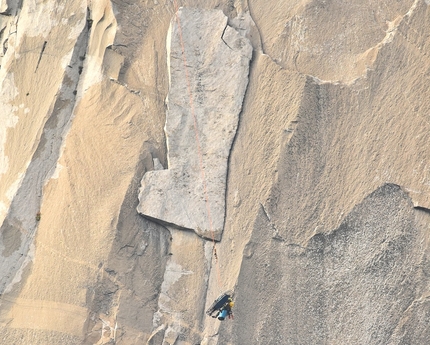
<point x="39" y="18"/>
<point x="3" y="212"/>
<point x="172" y="274"/>
<point x="8" y="119"/>
<point x="18" y="276"/>
<point x="11" y="192"/>
<point x="77" y="29"/>
<point x="57" y="171"/>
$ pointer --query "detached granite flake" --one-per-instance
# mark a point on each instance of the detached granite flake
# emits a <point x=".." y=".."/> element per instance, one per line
<point x="203" y="107"/>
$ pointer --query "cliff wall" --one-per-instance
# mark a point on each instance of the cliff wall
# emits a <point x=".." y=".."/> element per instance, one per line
<point x="154" y="154"/>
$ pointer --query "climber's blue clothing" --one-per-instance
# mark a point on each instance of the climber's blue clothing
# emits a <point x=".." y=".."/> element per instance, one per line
<point x="219" y="303"/>
<point x="223" y="314"/>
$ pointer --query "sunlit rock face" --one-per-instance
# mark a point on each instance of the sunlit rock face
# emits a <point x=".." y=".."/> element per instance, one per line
<point x="208" y="64"/>
<point x="296" y="133"/>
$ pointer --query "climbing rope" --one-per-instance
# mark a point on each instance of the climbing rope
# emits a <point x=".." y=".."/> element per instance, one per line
<point x="199" y="149"/>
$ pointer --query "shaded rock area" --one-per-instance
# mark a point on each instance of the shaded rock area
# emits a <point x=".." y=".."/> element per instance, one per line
<point x="313" y="123"/>
<point x="208" y="73"/>
<point x="363" y="276"/>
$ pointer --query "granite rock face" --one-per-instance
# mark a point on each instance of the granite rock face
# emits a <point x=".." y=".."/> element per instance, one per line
<point x="315" y="156"/>
<point x="208" y="64"/>
<point x="368" y="268"/>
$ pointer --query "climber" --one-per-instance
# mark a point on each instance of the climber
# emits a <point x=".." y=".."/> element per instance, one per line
<point x="222" y="306"/>
<point x="225" y="310"/>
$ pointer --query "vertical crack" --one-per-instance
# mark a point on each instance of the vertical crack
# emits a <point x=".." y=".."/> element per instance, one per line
<point x="40" y="56"/>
